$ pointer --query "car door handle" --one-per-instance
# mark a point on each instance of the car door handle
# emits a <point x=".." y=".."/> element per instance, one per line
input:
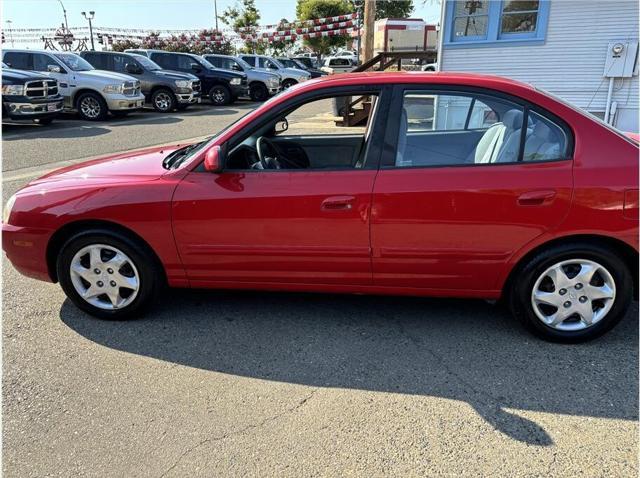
<point x="338" y="203"/>
<point x="536" y="198"/>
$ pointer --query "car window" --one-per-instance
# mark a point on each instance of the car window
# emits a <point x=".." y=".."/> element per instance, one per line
<point x="185" y="62"/>
<point x="120" y="61"/>
<point x="165" y="60"/>
<point x="339" y="62"/>
<point x="98" y="60"/>
<point x="18" y="60"/>
<point x="546" y="141"/>
<point x="449" y="129"/>
<point x="74" y="62"/>
<point x="250" y="60"/>
<point x="262" y="62"/>
<point x="41" y="62"/>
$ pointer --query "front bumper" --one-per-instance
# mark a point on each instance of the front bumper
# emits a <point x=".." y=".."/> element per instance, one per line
<point x="239" y="90"/>
<point x="188" y="98"/>
<point x="118" y="102"/>
<point x="26" y="248"/>
<point x="25" y="108"/>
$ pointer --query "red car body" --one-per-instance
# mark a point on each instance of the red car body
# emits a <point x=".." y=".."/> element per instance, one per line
<point x="440" y="231"/>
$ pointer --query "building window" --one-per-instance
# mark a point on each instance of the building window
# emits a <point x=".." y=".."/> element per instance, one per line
<point x="471" y="19"/>
<point x="483" y="22"/>
<point x="519" y="17"/>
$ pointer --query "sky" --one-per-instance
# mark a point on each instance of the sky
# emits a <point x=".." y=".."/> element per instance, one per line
<point x="160" y="14"/>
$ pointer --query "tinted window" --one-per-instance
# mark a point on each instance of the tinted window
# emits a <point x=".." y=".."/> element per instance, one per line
<point x="250" y="60"/>
<point x="185" y="62"/>
<point x="41" y="62"/>
<point x="339" y="62"/>
<point x="18" y="60"/>
<point x="120" y="61"/>
<point x="446" y="129"/>
<point x="262" y="62"/>
<point x="545" y="141"/>
<point x="97" y="60"/>
<point x="165" y="60"/>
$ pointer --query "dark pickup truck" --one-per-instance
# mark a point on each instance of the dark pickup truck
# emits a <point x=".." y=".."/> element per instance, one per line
<point x="221" y="86"/>
<point x="29" y="96"/>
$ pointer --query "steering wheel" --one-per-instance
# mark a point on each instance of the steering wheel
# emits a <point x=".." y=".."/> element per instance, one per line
<point x="265" y="146"/>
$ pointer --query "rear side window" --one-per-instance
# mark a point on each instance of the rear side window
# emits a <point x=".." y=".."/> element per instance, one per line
<point x="452" y="129"/>
<point x="165" y="60"/>
<point x="249" y="59"/>
<point x="17" y="60"/>
<point x="97" y="60"/>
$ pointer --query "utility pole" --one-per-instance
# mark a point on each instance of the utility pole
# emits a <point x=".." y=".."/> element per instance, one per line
<point x="90" y="17"/>
<point x="369" y="22"/>
<point x="215" y="9"/>
<point x="9" y="22"/>
<point x="66" y="24"/>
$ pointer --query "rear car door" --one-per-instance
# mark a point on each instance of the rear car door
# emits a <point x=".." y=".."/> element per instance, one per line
<point x="307" y="225"/>
<point x="468" y="178"/>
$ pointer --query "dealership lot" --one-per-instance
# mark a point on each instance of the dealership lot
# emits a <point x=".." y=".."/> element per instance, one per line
<point x="245" y="384"/>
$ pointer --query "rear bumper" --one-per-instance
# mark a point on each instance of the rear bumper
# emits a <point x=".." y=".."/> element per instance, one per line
<point x="26" y="249"/>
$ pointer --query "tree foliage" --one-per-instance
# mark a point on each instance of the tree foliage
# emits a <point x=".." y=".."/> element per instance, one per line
<point x="387" y="8"/>
<point x="182" y="44"/>
<point x="311" y="9"/>
<point x="243" y="15"/>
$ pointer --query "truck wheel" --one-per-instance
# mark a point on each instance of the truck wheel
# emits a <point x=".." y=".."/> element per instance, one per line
<point x="92" y="107"/>
<point x="288" y="83"/>
<point x="220" y="95"/>
<point x="258" y="92"/>
<point x="163" y="100"/>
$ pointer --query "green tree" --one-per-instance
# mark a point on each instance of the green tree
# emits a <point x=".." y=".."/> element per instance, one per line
<point x="311" y="9"/>
<point x="243" y="16"/>
<point x="387" y="8"/>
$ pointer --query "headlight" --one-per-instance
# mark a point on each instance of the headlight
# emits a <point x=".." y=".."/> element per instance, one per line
<point x="114" y="88"/>
<point x="183" y="83"/>
<point x="12" y="89"/>
<point x="303" y="78"/>
<point x="6" y="212"/>
<point x="273" y="81"/>
<point x="235" y="81"/>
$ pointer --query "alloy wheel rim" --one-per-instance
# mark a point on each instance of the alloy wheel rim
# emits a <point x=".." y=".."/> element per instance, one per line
<point x="162" y="101"/>
<point x="90" y="107"/>
<point x="218" y="96"/>
<point x="104" y="276"/>
<point x="573" y="295"/>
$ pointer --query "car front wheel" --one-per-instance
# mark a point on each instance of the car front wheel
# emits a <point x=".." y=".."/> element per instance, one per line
<point x="220" y="95"/>
<point x="258" y="92"/>
<point x="92" y="107"/>
<point x="108" y="275"/>
<point x="288" y="83"/>
<point x="572" y="293"/>
<point x="163" y="100"/>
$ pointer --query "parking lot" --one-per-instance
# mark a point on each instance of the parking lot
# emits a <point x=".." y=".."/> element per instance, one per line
<point x="282" y="384"/>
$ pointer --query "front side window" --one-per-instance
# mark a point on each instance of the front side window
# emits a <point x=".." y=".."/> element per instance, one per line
<point x="470" y="19"/>
<point x="41" y="62"/>
<point x="120" y="63"/>
<point x="165" y="60"/>
<point x="519" y="16"/>
<point x="455" y="129"/>
<point x="17" y="60"/>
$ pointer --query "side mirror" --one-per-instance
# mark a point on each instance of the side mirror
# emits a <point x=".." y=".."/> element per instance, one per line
<point x="281" y="126"/>
<point x="195" y="67"/>
<point x="132" y="68"/>
<point x="53" y="69"/>
<point x="213" y="160"/>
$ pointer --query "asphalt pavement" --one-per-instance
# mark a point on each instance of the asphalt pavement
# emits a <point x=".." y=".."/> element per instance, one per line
<point x="278" y="384"/>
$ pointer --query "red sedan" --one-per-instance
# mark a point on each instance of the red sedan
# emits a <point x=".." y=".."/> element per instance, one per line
<point x="382" y="183"/>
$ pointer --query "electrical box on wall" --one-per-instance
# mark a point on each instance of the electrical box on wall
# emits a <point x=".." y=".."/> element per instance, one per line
<point x="622" y="56"/>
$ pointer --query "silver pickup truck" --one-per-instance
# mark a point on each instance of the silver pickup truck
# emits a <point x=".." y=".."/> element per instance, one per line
<point x="92" y="93"/>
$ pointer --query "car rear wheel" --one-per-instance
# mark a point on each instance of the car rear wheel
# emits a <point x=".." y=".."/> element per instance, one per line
<point x="163" y="100"/>
<point x="258" y="92"/>
<point x="220" y="95"/>
<point x="288" y="83"/>
<point x="92" y="107"/>
<point x="572" y="293"/>
<point x="108" y="275"/>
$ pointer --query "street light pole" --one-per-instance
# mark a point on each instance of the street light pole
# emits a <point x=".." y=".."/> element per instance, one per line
<point x="90" y="17"/>
<point x="215" y="9"/>
<point x="9" y="22"/>
<point x="66" y="24"/>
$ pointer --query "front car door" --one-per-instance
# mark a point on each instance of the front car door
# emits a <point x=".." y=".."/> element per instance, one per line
<point x="306" y="225"/>
<point x="468" y="178"/>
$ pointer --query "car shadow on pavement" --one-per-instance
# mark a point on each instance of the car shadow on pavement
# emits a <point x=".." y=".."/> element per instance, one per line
<point x="461" y="350"/>
<point x="13" y="131"/>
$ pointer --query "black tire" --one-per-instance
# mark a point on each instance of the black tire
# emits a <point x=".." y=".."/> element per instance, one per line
<point x="120" y="113"/>
<point x="288" y="83"/>
<point x="258" y="92"/>
<point x="98" y="104"/>
<point x="220" y="95"/>
<point x="525" y="277"/>
<point x="151" y="275"/>
<point x="163" y="100"/>
<point x="43" y="121"/>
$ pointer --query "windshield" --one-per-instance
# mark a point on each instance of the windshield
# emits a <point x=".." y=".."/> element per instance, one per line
<point x="74" y="62"/>
<point x="146" y="63"/>
<point x="203" y="62"/>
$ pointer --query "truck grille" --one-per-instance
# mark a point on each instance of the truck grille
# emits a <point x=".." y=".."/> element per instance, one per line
<point x="244" y="81"/>
<point x="131" y="88"/>
<point x="41" y="88"/>
<point x="195" y="85"/>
